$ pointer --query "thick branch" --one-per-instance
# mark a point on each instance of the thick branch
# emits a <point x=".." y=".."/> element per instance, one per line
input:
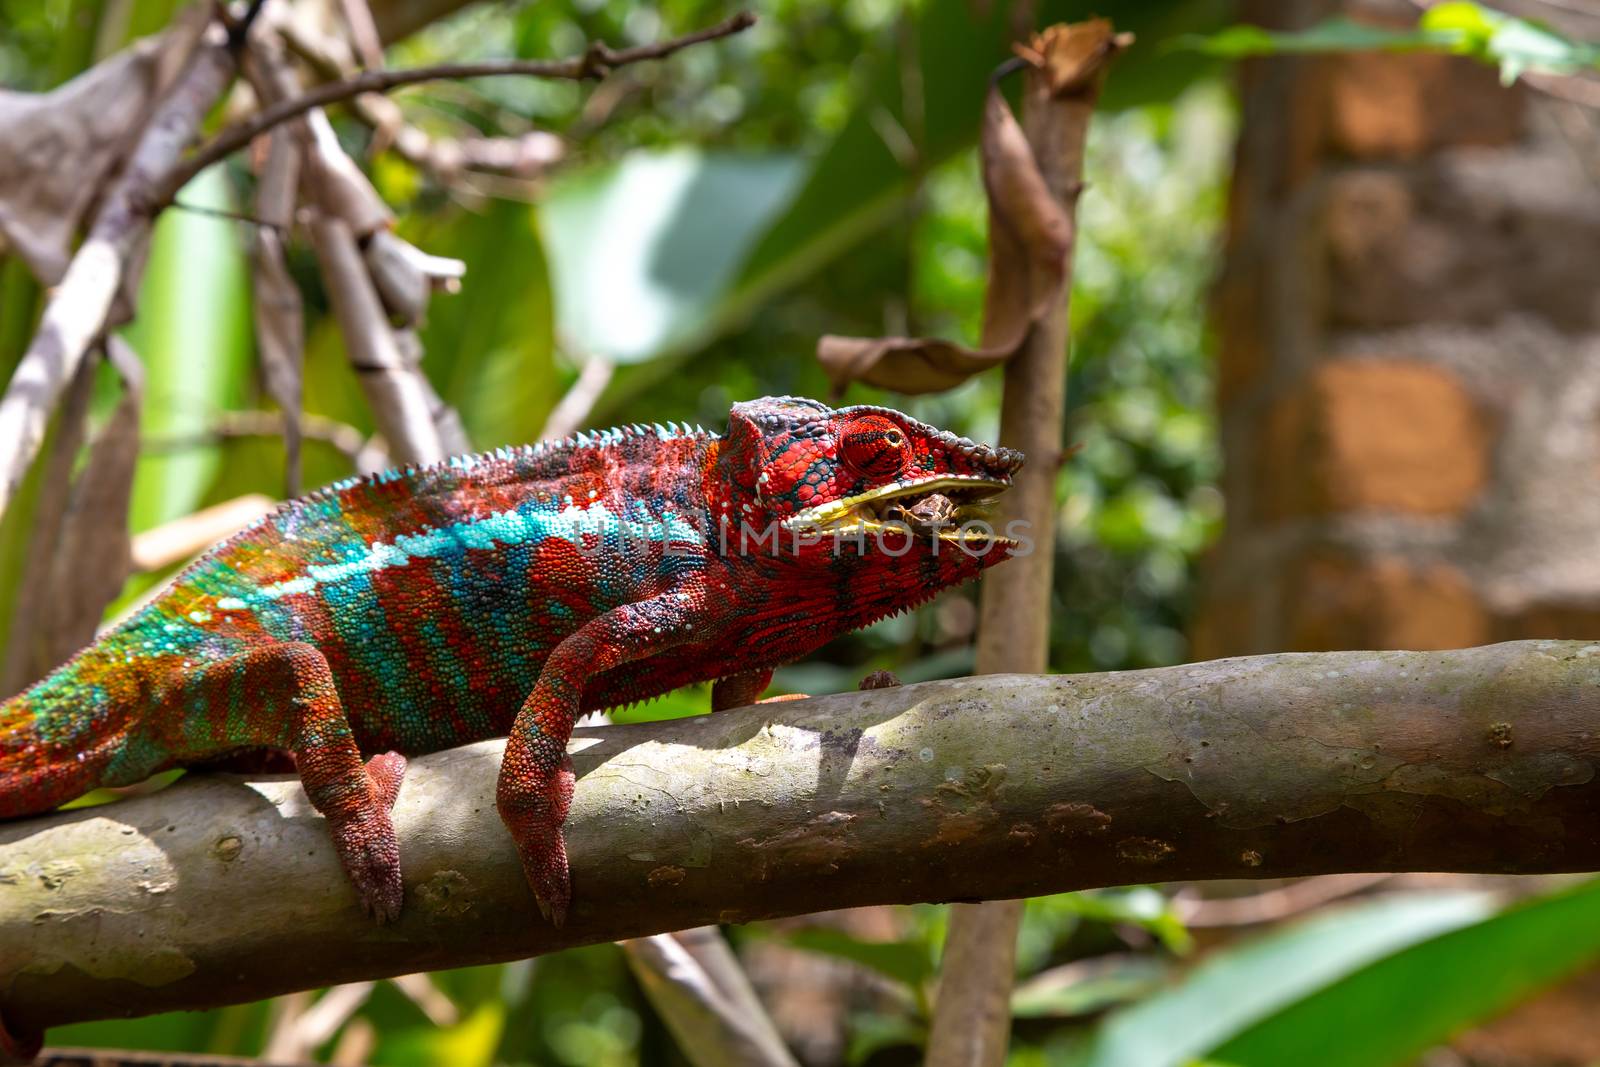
<point x="597" y="61"/>
<point x="218" y="890"/>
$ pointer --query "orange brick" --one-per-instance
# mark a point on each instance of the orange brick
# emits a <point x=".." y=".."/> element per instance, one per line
<point x="1388" y="106"/>
<point x="1225" y="624"/>
<point x="1561" y="620"/>
<point x="1344" y="602"/>
<point x="1242" y="355"/>
<point x="1373" y="435"/>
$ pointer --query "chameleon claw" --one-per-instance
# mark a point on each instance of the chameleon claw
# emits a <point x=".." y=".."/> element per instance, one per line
<point x="544" y="864"/>
<point x="370" y="855"/>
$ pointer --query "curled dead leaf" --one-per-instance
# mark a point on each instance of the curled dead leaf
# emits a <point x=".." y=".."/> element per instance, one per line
<point x="80" y="557"/>
<point x="1030" y="232"/>
<point x="1072" y="56"/>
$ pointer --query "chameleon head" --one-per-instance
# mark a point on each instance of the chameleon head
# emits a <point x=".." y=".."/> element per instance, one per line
<point x="868" y="473"/>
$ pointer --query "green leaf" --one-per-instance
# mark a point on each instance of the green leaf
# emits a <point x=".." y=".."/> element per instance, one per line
<point x="490" y="349"/>
<point x="865" y="178"/>
<point x="1459" y="26"/>
<point x="1242" y="986"/>
<point x="1331" y="35"/>
<point x="904" y="961"/>
<point x="469" y="1043"/>
<point x="1141" y="905"/>
<point x="678" y="704"/>
<point x="1422" y="995"/>
<point x="1094" y="987"/>
<point x="193" y="335"/>
<point x="642" y="251"/>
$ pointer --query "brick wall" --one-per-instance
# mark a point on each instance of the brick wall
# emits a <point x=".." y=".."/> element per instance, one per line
<point x="1409" y="358"/>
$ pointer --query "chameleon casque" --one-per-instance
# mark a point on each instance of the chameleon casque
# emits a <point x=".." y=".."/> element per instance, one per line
<point x="504" y="594"/>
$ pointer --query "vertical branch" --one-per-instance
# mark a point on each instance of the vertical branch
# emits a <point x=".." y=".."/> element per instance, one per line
<point x="403" y="410"/>
<point x="280" y="317"/>
<point x="347" y="211"/>
<point x="1066" y="66"/>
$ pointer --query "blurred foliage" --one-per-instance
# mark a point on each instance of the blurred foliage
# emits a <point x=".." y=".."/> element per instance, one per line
<point x="717" y="213"/>
<point x="1459" y="27"/>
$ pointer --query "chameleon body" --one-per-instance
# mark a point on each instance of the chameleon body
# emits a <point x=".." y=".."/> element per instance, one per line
<point x="504" y="594"/>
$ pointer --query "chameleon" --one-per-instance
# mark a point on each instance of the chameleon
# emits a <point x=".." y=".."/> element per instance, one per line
<point x="505" y="594"/>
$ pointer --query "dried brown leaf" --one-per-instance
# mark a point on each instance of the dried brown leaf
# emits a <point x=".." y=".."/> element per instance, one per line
<point x="31" y="653"/>
<point x="80" y="557"/>
<point x="1030" y="238"/>
<point x="57" y="148"/>
<point x="93" y="559"/>
<point x="1072" y="56"/>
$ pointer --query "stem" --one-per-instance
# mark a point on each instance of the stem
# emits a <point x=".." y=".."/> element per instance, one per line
<point x="972" y="1016"/>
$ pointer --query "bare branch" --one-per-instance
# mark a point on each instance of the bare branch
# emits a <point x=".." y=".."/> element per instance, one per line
<point x="597" y="61"/>
<point x="993" y="787"/>
<point x="402" y="409"/>
<point x="279" y="311"/>
<point x="366" y="455"/>
<point x="705" y="1000"/>
<point x="572" y="410"/>
<point x="1276" y="905"/>
<point x="178" y="540"/>
<point x="519" y="157"/>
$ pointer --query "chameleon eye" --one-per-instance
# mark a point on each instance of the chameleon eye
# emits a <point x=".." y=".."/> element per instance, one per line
<point x="873" y="446"/>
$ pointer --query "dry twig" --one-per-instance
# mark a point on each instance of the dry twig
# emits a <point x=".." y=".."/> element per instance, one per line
<point x="597" y="61"/>
<point x="696" y="985"/>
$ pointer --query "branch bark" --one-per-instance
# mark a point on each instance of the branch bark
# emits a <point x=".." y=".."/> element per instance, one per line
<point x="220" y="890"/>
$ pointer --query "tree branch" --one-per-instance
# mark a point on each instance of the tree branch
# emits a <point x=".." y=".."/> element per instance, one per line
<point x="219" y="890"/>
<point x="597" y="61"/>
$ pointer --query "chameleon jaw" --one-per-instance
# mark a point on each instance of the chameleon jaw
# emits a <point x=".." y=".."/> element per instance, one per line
<point x="879" y="511"/>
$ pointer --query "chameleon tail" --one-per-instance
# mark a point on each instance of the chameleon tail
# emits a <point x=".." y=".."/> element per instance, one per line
<point x="58" y="739"/>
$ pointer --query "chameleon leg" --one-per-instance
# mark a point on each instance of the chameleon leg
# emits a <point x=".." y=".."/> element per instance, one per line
<point x="536" y="781"/>
<point x="737" y="690"/>
<point x="354" y="797"/>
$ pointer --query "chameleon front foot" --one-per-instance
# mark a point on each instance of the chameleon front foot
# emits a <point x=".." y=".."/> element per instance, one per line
<point x="544" y="864"/>
<point x="534" y="809"/>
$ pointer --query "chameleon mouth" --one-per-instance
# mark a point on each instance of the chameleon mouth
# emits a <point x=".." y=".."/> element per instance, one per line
<point x="953" y="508"/>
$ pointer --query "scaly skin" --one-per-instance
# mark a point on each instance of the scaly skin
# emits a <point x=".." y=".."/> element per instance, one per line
<point x="504" y="594"/>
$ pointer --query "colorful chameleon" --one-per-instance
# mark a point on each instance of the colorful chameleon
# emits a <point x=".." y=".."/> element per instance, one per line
<point x="504" y="594"/>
